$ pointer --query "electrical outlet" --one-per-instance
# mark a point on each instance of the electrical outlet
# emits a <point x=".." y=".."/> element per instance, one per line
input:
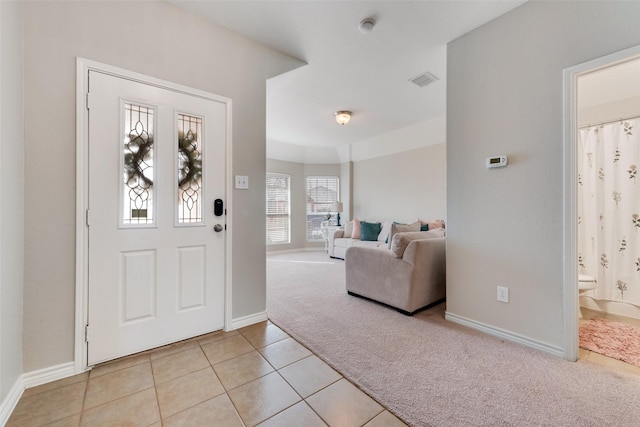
<point x="503" y="294"/>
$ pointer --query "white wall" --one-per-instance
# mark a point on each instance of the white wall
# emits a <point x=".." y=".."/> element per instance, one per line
<point x="505" y="96"/>
<point x="402" y="186"/>
<point x="160" y="40"/>
<point x="11" y="195"/>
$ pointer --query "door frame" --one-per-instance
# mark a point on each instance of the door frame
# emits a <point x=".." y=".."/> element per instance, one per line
<point x="569" y="190"/>
<point x="83" y="67"/>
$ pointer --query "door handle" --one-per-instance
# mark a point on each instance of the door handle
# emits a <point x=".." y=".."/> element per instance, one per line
<point x="217" y="228"/>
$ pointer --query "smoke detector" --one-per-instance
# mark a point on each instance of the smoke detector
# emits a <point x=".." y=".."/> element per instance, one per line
<point x="366" y="25"/>
<point x="424" y="79"/>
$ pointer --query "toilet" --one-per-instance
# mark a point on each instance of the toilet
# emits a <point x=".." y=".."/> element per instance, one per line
<point x="585" y="283"/>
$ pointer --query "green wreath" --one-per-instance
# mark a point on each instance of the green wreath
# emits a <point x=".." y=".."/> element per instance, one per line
<point x="139" y="153"/>
<point x="189" y="161"/>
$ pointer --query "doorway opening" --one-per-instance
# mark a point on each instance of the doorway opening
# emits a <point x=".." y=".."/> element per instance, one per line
<point x="600" y="97"/>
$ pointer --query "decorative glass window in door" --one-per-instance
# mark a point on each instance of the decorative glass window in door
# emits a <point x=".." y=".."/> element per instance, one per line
<point x="189" y="169"/>
<point x="138" y="171"/>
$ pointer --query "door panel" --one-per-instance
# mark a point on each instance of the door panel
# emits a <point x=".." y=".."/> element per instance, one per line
<point x="156" y="267"/>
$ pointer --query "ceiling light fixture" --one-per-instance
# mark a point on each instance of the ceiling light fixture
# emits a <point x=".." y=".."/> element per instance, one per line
<point x="342" y="117"/>
<point x="366" y="25"/>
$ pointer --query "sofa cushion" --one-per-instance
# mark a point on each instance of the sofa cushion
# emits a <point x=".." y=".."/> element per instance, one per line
<point x="400" y="241"/>
<point x="343" y="242"/>
<point x="370" y="231"/>
<point x="402" y="228"/>
<point x="356" y="229"/>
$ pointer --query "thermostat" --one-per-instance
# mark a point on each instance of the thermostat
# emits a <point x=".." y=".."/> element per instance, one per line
<point x="496" y="162"/>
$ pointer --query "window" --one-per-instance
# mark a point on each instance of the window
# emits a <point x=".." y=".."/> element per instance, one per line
<point x="278" y="217"/>
<point x="322" y="191"/>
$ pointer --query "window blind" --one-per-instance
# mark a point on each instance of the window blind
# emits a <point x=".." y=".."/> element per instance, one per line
<point x="278" y="210"/>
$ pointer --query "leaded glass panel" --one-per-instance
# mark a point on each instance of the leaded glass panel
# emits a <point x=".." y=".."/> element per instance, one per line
<point x="189" y="169"/>
<point x="138" y="171"/>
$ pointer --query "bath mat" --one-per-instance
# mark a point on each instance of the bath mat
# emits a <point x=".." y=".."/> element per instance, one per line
<point x="613" y="339"/>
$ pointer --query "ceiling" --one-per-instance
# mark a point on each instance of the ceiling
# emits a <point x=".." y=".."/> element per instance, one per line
<point x="346" y="69"/>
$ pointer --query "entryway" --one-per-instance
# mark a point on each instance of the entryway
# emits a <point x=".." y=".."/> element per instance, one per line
<point x="601" y="104"/>
<point x="155" y="255"/>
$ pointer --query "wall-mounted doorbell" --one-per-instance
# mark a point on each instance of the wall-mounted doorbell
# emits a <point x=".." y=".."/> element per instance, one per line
<point x="496" y="162"/>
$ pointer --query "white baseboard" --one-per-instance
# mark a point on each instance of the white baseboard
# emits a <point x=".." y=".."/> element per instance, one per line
<point x="11" y="400"/>
<point x="32" y="379"/>
<point x="293" y="251"/>
<point x="249" y="320"/>
<point x="504" y="334"/>
<point x="46" y="375"/>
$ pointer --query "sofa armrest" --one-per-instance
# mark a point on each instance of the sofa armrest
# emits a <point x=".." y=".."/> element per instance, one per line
<point x="331" y="236"/>
<point x="336" y="234"/>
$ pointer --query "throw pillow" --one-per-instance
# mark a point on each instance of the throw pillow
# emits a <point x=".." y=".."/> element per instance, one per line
<point x="356" y="229"/>
<point x="384" y="232"/>
<point x="348" y="229"/>
<point x="424" y="227"/>
<point x="403" y="228"/>
<point x="437" y="223"/>
<point x="369" y="231"/>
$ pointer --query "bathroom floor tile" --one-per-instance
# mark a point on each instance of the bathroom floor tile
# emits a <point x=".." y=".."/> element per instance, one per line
<point x="187" y="391"/>
<point x="343" y="404"/>
<point x="285" y="352"/>
<point x="309" y="375"/>
<point x="262" y="398"/>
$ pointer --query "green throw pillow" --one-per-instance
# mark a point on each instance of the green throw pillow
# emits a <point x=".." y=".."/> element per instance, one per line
<point x="370" y="230"/>
<point x="424" y="227"/>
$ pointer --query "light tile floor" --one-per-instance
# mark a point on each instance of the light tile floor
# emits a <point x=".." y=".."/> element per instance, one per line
<point x="257" y="375"/>
<point x="600" y="359"/>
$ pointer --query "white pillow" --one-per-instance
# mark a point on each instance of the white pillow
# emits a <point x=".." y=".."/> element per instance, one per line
<point x="348" y="229"/>
<point x="384" y="233"/>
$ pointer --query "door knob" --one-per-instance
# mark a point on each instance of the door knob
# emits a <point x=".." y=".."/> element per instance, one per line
<point x="217" y="228"/>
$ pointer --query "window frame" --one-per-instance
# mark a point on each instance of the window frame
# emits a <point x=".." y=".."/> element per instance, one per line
<point x="279" y="215"/>
<point x="319" y="216"/>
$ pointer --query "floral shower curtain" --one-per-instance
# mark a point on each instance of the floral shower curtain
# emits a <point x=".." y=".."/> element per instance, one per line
<point x="609" y="209"/>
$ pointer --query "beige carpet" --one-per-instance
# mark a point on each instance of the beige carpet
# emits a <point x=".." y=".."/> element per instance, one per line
<point x="431" y="372"/>
<point x="613" y="339"/>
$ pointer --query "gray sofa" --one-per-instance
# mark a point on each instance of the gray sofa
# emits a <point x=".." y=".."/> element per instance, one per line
<point x="408" y="276"/>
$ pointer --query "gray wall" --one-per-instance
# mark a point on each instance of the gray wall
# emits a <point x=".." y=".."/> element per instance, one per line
<point x="160" y="40"/>
<point x="402" y="186"/>
<point x="298" y="173"/>
<point x="11" y="195"/>
<point x="505" y="96"/>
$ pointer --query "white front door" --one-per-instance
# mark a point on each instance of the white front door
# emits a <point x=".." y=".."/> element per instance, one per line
<point x="156" y="168"/>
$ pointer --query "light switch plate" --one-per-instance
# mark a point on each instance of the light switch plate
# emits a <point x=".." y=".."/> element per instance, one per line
<point x="242" y="182"/>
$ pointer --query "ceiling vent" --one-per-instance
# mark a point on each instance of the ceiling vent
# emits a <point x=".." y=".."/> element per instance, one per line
<point x="424" y="79"/>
